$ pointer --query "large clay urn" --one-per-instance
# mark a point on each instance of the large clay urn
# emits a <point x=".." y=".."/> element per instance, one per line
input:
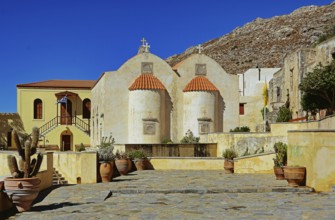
<point x="130" y="165"/>
<point x="295" y="175"/>
<point x="22" y="191"/>
<point x="141" y="163"/>
<point x="106" y="171"/>
<point x="279" y="173"/>
<point x="122" y="166"/>
<point x="228" y="166"/>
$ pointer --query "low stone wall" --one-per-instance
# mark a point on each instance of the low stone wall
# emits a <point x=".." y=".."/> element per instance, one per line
<point x="186" y="163"/>
<point x="283" y="127"/>
<point x="254" y="142"/>
<point x="45" y="173"/>
<point x="315" y="150"/>
<point x="77" y="167"/>
<point x="327" y="123"/>
<point x="261" y="163"/>
<point x="176" y="150"/>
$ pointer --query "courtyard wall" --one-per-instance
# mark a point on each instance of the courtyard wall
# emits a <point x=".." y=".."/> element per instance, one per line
<point x="315" y="150"/>
<point x="77" y="167"/>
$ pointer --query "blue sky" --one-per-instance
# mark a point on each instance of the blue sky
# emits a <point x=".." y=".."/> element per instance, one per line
<point x="79" y="39"/>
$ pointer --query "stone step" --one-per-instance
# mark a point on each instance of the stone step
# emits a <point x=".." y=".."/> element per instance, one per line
<point x="58" y="179"/>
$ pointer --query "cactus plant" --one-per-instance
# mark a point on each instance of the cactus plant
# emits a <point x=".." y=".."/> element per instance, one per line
<point x="27" y="168"/>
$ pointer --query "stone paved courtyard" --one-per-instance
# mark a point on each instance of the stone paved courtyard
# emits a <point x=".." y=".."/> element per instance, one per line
<point x="184" y="195"/>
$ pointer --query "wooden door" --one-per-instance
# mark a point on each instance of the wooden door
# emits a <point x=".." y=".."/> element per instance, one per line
<point x="66" y="142"/>
<point x="66" y="113"/>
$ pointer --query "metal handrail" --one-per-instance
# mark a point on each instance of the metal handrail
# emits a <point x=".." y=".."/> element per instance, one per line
<point x="79" y="123"/>
<point x="50" y="124"/>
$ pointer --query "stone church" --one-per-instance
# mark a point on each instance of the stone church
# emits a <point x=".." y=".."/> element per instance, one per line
<point x="145" y="101"/>
<point x="148" y="101"/>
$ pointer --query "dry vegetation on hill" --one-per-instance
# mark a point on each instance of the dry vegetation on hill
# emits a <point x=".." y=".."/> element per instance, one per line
<point x="267" y="41"/>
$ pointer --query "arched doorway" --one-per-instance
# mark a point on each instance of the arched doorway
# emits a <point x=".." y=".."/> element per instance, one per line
<point x="66" y="140"/>
<point x="66" y="113"/>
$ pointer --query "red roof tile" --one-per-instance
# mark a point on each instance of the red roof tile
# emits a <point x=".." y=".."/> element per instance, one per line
<point x="200" y="83"/>
<point x="82" y="84"/>
<point x="147" y="82"/>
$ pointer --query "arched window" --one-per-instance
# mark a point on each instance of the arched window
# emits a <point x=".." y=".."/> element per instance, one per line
<point x="87" y="108"/>
<point x="38" y="109"/>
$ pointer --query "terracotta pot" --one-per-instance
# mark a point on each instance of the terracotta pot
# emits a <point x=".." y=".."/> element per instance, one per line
<point x="295" y="175"/>
<point x="106" y="171"/>
<point x="141" y="163"/>
<point x="130" y="165"/>
<point x="122" y="166"/>
<point x="279" y="172"/>
<point x="22" y="191"/>
<point x="228" y="166"/>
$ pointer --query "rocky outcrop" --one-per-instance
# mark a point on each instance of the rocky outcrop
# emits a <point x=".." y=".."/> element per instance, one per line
<point x="265" y="42"/>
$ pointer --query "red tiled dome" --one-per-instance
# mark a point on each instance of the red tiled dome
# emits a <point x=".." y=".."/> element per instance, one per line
<point x="147" y="82"/>
<point x="200" y="83"/>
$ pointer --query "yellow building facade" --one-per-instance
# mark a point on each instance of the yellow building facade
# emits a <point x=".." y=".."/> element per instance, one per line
<point x="61" y="109"/>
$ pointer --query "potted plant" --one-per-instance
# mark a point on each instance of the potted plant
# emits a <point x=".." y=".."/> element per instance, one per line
<point x="295" y="175"/>
<point x="140" y="159"/>
<point x="281" y="159"/>
<point x="121" y="162"/>
<point x="106" y="158"/>
<point x="189" y="138"/>
<point x="23" y="186"/>
<point x="229" y="155"/>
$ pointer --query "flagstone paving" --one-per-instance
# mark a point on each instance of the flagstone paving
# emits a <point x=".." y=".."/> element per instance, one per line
<point x="184" y="195"/>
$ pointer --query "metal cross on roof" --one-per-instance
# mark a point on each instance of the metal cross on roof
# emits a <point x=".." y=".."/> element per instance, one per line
<point x="146" y="47"/>
<point x="143" y="41"/>
<point x="199" y="47"/>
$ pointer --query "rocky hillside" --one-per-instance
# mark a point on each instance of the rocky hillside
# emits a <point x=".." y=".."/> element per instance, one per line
<point x="267" y="41"/>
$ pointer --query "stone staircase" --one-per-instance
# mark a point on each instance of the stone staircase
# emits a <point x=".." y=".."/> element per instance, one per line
<point x="58" y="179"/>
<point x="56" y="121"/>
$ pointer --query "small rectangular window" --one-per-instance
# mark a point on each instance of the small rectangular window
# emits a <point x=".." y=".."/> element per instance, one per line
<point x="200" y="70"/>
<point x="147" y="67"/>
<point x="242" y="108"/>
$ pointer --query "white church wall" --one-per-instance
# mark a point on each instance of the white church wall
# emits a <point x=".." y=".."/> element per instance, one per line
<point x="226" y="83"/>
<point x="199" y="105"/>
<point x="117" y="92"/>
<point x="251" y="77"/>
<point x="144" y="117"/>
<point x="97" y="110"/>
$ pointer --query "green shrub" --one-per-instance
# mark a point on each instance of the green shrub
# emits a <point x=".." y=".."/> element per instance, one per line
<point x="105" y="149"/>
<point x="167" y="141"/>
<point x="136" y="154"/>
<point x="281" y="154"/>
<point x="121" y="155"/>
<point x="81" y="147"/>
<point x="240" y="129"/>
<point x="229" y="154"/>
<point x="189" y="138"/>
<point x="284" y="114"/>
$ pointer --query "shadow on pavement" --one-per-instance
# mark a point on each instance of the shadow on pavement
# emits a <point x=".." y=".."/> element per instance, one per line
<point x="121" y="180"/>
<point x="46" y="192"/>
<point x="54" y="206"/>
